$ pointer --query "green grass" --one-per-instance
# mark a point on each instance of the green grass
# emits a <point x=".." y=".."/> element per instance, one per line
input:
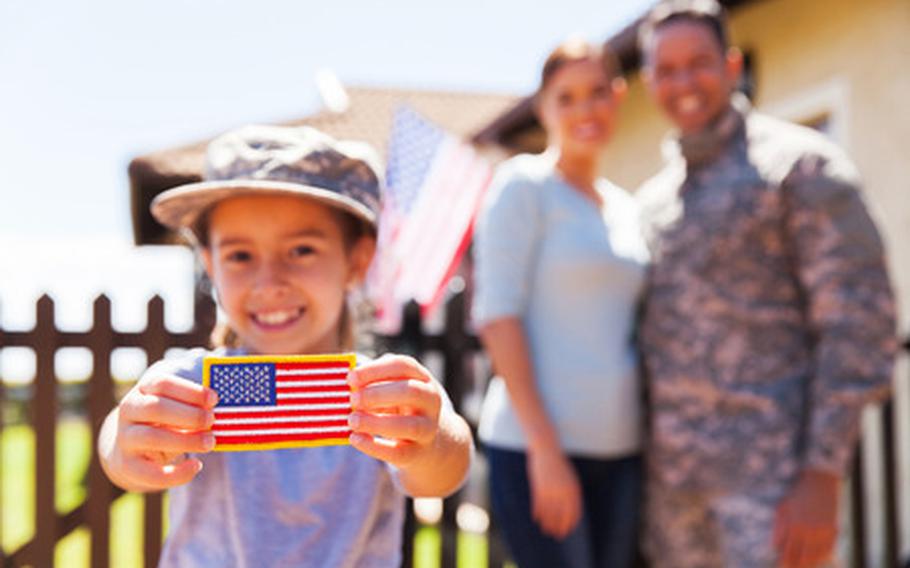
<point x="73" y="455"/>
<point x="427" y="547"/>
<point x="17" y="505"/>
<point x="18" y="486"/>
<point x="471" y="549"/>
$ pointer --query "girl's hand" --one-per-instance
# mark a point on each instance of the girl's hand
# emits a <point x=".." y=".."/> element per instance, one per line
<point x="144" y="442"/>
<point x="555" y="492"/>
<point x="396" y="409"/>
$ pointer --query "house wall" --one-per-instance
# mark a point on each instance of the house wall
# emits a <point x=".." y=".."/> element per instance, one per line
<point x="844" y="57"/>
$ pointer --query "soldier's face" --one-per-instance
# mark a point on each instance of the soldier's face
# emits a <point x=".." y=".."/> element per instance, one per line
<point x="689" y="75"/>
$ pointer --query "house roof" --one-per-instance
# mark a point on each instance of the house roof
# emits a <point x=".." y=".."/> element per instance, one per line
<point x="520" y="117"/>
<point x="368" y="117"/>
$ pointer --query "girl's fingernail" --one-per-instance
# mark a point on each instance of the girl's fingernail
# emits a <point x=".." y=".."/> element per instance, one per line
<point x="355" y="399"/>
<point x="211" y="398"/>
<point x="208" y="441"/>
<point x="354" y="421"/>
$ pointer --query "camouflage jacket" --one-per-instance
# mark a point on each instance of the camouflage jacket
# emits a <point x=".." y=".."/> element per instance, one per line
<point x="769" y="319"/>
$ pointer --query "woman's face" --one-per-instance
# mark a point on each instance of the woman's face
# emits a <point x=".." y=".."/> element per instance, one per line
<point x="577" y="107"/>
<point x="281" y="268"/>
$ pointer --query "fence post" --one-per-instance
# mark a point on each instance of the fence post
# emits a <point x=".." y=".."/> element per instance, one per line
<point x="892" y="548"/>
<point x="496" y="552"/>
<point x="455" y="347"/>
<point x="44" y="415"/>
<point x="100" y="401"/>
<point x="156" y="343"/>
<point x="454" y="343"/>
<point x="409" y="341"/>
<point x="204" y="315"/>
<point x="857" y="509"/>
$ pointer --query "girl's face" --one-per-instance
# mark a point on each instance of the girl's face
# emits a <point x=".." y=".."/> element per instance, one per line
<point x="281" y="268"/>
<point x="577" y="107"/>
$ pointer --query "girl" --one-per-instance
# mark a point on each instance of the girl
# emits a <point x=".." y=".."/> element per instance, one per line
<point x="285" y="227"/>
<point x="560" y="263"/>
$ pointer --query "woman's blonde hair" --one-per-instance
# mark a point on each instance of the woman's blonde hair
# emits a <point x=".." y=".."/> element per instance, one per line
<point x="352" y="230"/>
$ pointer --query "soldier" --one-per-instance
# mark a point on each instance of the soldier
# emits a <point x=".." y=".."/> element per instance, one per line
<point x="768" y="321"/>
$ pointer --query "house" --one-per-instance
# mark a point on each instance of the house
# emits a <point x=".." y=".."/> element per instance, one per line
<point x="838" y="65"/>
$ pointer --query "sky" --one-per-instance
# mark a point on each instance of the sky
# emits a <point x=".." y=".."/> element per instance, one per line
<point x="87" y="85"/>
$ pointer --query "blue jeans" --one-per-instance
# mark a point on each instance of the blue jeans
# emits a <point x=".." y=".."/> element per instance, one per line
<point x="606" y="536"/>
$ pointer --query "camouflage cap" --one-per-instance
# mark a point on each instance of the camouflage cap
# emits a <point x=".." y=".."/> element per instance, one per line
<point x="278" y="160"/>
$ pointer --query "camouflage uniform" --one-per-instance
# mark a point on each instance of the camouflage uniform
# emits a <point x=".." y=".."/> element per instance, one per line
<point x="768" y="324"/>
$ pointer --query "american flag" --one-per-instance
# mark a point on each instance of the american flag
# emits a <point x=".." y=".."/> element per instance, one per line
<point x="279" y="401"/>
<point x="434" y="187"/>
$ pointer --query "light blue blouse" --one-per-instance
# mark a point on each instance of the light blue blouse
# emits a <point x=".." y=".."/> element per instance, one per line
<point x="573" y="274"/>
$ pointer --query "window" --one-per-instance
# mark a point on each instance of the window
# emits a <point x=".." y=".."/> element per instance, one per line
<point x="824" y="107"/>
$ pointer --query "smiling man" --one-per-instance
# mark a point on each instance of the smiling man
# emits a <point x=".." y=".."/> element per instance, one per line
<point x="768" y="320"/>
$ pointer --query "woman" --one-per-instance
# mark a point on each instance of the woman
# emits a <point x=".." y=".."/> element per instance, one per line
<point x="560" y="264"/>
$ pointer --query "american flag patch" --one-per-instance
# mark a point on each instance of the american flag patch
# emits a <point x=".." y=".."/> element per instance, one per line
<point x="267" y="402"/>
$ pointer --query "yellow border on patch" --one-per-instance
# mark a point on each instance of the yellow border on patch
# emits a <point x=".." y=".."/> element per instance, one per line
<point x="207" y="362"/>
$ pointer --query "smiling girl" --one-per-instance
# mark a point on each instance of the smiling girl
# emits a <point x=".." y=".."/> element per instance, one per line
<point x="285" y="227"/>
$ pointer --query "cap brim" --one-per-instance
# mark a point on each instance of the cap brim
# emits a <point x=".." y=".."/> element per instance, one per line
<point x="180" y="208"/>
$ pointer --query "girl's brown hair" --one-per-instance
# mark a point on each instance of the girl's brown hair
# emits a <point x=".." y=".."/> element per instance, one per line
<point x="574" y="50"/>
<point x="352" y="230"/>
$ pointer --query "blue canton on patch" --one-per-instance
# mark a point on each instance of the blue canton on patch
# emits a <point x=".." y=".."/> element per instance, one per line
<point x="244" y="384"/>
